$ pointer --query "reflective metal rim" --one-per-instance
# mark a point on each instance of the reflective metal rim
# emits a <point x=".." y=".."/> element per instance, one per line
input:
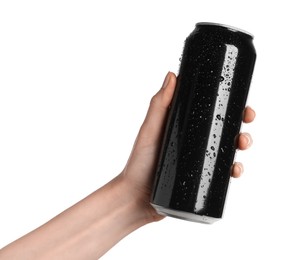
<point x="184" y="215"/>
<point x="232" y="28"/>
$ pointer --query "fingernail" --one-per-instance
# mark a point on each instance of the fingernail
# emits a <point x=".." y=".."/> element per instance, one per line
<point x="248" y="138"/>
<point x="253" y="111"/>
<point x="248" y="114"/>
<point x="166" y="80"/>
<point x="249" y="107"/>
<point x="237" y="170"/>
<point x="240" y="166"/>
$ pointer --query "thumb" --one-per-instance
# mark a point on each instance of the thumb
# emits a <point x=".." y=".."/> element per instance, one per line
<point x="152" y="127"/>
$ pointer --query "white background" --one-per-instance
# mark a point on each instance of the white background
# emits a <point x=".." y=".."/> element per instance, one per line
<point x="76" y="78"/>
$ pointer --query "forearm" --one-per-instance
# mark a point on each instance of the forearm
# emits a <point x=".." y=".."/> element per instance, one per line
<point x="86" y="230"/>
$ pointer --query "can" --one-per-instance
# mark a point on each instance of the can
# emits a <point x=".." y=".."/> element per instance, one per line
<point x="204" y="120"/>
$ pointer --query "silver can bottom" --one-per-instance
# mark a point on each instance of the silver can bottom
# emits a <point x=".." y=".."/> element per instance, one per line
<point x="184" y="215"/>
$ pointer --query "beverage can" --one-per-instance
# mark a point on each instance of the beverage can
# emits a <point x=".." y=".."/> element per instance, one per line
<point x="199" y="142"/>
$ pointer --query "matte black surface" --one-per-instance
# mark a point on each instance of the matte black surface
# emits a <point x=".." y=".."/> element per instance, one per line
<point x="198" y="147"/>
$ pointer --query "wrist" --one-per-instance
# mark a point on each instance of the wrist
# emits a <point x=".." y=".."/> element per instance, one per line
<point x="138" y="200"/>
<point x="130" y="202"/>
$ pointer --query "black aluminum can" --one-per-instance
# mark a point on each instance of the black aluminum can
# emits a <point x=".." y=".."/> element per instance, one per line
<point x="199" y="143"/>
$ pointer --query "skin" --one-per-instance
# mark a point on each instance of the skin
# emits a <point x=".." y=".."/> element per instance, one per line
<point x="92" y="226"/>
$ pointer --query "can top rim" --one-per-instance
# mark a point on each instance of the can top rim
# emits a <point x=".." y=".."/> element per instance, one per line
<point x="232" y="28"/>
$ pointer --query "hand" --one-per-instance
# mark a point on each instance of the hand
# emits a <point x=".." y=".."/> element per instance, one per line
<point x="139" y="171"/>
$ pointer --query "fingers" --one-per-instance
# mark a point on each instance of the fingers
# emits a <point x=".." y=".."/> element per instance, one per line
<point x="236" y="170"/>
<point x="244" y="141"/>
<point x="155" y="119"/>
<point x="248" y="115"/>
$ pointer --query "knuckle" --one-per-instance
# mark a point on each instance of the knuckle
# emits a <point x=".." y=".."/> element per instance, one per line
<point x="154" y="100"/>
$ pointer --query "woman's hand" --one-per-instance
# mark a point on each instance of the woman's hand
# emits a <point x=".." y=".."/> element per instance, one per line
<point x="139" y="171"/>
